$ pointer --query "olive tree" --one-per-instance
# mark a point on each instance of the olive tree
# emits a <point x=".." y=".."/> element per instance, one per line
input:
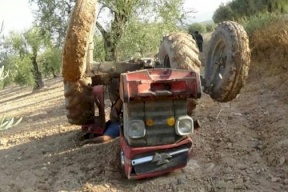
<point x="20" y="56"/>
<point x="52" y="16"/>
<point x="6" y="123"/>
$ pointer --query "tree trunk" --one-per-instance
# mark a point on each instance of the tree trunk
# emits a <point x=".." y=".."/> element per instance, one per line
<point x="53" y="72"/>
<point x="37" y="74"/>
<point x="112" y="38"/>
<point x="110" y="50"/>
<point x="109" y="46"/>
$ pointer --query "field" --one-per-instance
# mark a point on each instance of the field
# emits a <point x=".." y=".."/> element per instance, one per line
<point x="241" y="146"/>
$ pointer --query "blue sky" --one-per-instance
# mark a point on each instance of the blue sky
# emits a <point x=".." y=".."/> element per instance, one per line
<point x="17" y="14"/>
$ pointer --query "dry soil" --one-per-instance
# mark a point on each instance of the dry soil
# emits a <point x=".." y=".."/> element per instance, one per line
<point x="241" y="146"/>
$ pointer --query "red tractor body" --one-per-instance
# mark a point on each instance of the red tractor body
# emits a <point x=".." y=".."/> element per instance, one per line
<point x="156" y="128"/>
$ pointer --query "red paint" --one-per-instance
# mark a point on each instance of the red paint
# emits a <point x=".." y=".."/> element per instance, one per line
<point x="131" y="152"/>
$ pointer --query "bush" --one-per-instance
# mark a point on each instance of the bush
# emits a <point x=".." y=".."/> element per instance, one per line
<point x="50" y="61"/>
<point x="257" y="22"/>
<point x="210" y="27"/>
<point x="223" y="13"/>
<point x="267" y="31"/>
<point x="4" y="122"/>
<point x="196" y="27"/>
<point x="20" y="70"/>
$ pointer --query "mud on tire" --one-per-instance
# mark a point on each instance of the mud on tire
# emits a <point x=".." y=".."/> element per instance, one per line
<point x="178" y="50"/>
<point x="228" y="60"/>
<point x="79" y="100"/>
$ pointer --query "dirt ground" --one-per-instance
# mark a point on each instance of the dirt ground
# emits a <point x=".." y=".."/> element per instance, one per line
<point x="241" y="146"/>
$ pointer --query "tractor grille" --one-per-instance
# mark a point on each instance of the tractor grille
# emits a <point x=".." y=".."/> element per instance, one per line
<point x="160" y="133"/>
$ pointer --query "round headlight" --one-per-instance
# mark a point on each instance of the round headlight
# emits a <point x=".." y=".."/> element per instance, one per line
<point x="184" y="125"/>
<point x="136" y="129"/>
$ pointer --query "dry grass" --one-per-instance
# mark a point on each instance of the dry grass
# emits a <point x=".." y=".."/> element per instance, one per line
<point x="272" y="35"/>
<point x="269" y="45"/>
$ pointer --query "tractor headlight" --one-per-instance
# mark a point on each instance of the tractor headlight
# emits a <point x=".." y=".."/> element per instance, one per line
<point x="184" y="125"/>
<point x="136" y="129"/>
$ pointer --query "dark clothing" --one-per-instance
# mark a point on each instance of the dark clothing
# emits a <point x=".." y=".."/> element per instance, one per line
<point x="199" y="41"/>
<point x="200" y="46"/>
<point x="113" y="129"/>
<point x="193" y="36"/>
<point x="199" y="37"/>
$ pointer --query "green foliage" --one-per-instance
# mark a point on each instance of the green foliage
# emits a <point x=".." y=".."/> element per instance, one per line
<point x="196" y="27"/>
<point x="23" y="69"/>
<point x="99" y="51"/>
<point x="223" y="13"/>
<point x="6" y="123"/>
<point x="237" y="9"/>
<point x="53" y="17"/>
<point x="153" y="20"/>
<point x="16" y="60"/>
<point x="268" y="31"/>
<point x="142" y="39"/>
<point x="134" y="28"/>
<point x="258" y="22"/>
<point x="33" y="40"/>
<point x="50" y="61"/>
<point x="14" y="44"/>
<point x="3" y="75"/>
<point x="19" y="55"/>
<point x="210" y="27"/>
<point x="170" y="11"/>
<point x="20" y="71"/>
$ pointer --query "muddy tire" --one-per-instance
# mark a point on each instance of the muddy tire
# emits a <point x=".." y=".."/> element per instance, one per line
<point x="178" y="50"/>
<point x="79" y="100"/>
<point x="228" y="60"/>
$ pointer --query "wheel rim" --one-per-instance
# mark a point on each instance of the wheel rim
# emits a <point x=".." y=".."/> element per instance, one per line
<point x="219" y="62"/>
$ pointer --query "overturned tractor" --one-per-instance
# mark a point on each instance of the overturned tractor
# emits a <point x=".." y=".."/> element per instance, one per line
<point x="154" y="107"/>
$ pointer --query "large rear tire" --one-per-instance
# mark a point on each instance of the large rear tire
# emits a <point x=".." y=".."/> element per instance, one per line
<point x="178" y="50"/>
<point x="79" y="100"/>
<point x="228" y="61"/>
